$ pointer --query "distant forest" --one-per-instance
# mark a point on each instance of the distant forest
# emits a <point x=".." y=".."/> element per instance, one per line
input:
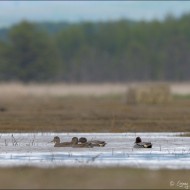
<point x="115" y="51"/>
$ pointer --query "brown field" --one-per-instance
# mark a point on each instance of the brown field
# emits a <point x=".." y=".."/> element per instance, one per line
<point x="35" y="109"/>
<point x="92" y="178"/>
<point x="77" y="113"/>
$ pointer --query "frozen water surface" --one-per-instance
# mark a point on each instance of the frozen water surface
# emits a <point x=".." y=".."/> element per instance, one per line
<point x="170" y="150"/>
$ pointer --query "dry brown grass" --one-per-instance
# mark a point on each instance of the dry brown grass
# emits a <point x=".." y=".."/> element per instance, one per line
<point x="90" y="114"/>
<point x="149" y="94"/>
<point x="60" y="89"/>
<point x="64" y="89"/>
<point x="90" y="178"/>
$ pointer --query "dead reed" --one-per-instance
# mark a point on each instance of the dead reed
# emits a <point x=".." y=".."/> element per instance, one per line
<point x="158" y="93"/>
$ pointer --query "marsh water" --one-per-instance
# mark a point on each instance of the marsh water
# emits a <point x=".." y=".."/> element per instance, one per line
<point x="170" y="150"/>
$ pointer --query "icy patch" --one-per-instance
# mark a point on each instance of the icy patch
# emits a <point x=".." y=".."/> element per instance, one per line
<point x="34" y="149"/>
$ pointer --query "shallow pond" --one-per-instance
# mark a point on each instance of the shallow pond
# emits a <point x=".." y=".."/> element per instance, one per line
<point x="170" y="150"/>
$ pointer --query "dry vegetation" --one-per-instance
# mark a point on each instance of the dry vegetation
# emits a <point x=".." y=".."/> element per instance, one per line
<point x="106" y="113"/>
<point x="91" y="178"/>
<point x="149" y="94"/>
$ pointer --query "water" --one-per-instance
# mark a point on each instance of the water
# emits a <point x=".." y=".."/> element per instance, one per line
<point x="35" y="149"/>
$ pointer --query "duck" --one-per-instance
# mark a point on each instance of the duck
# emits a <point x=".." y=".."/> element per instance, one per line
<point x="58" y="143"/>
<point x="74" y="143"/>
<point x="140" y="144"/>
<point x="78" y="144"/>
<point x="83" y="140"/>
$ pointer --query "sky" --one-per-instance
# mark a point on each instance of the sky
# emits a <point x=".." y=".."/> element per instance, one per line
<point x="12" y="12"/>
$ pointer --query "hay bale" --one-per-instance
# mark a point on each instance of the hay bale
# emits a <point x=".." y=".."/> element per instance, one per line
<point x="149" y="94"/>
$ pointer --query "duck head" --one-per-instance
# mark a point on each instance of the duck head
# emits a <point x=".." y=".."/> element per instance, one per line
<point x="82" y="140"/>
<point x="56" y="139"/>
<point x="75" y="140"/>
<point x="138" y="140"/>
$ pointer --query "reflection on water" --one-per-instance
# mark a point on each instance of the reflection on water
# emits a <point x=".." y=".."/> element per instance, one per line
<point x="34" y="149"/>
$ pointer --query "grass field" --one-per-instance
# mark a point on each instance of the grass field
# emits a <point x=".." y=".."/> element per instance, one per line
<point x="93" y="178"/>
<point x="26" y="111"/>
<point x="91" y="114"/>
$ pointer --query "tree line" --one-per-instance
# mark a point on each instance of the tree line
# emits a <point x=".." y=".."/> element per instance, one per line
<point x="115" y="51"/>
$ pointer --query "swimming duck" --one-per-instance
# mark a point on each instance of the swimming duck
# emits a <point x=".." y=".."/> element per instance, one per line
<point x="93" y="142"/>
<point x="73" y="143"/>
<point x="77" y="144"/>
<point x="57" y="142"/>
<point x="140" y="144"/>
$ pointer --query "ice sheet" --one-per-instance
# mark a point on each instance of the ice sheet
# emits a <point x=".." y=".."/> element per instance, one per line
<point x="170" y="150"/>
